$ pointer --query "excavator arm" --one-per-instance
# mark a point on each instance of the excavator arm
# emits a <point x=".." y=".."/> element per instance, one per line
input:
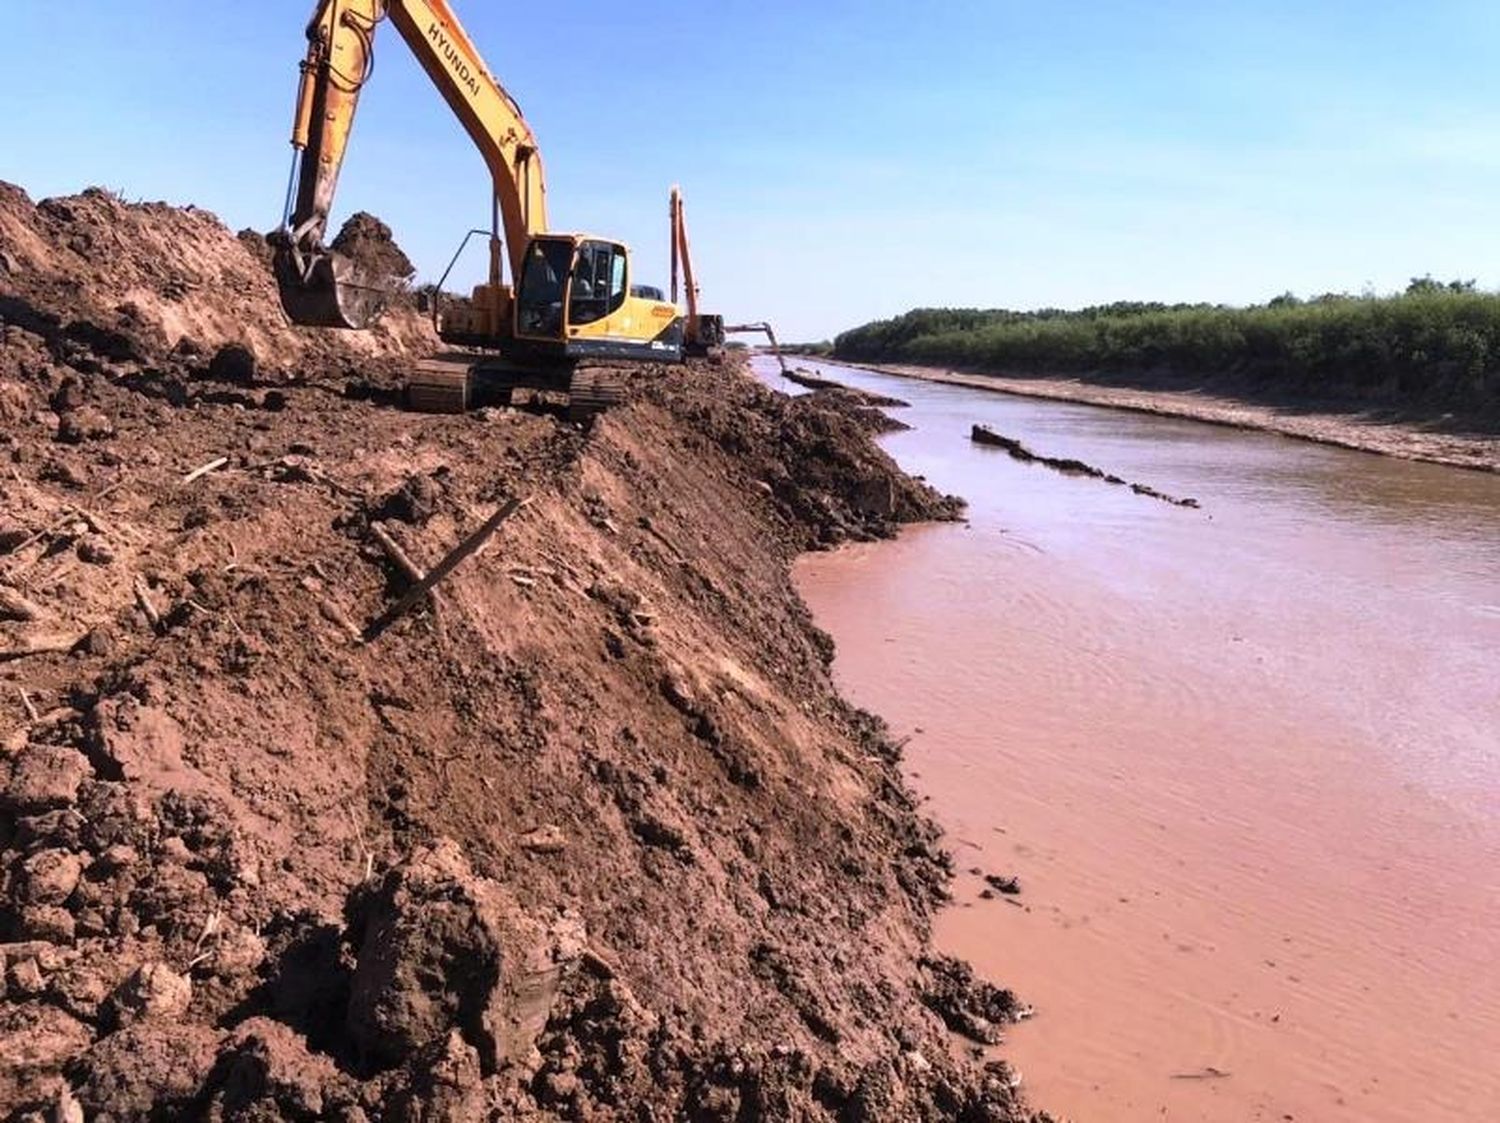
<point x="703" y="333"/>
<point x="682" y="258"/>
<point x="764" y="329"/>
<point x="321" y="287"/>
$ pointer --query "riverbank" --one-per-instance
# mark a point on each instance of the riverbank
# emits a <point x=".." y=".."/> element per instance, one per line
<point x="589" y="834"/>
<point x="1325" y="423"/>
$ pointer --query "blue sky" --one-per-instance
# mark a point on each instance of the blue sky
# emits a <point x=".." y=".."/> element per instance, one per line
<point x="842" y="160"/>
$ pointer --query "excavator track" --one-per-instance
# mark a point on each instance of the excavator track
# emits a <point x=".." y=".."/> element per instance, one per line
<point x="439" y="385"/>
<point x="592" y="391"/>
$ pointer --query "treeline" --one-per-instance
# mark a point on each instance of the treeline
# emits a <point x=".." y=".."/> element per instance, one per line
<point x="823" y="348"/>
<point x="1437" y="343"/>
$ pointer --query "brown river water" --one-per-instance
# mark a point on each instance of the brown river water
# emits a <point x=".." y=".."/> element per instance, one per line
<point x="1245" y="760"/>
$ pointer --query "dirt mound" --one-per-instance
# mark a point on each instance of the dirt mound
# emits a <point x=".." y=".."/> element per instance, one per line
<point x="368" y="242"/>
<point x="587" y="835"/>
<point x="112" y="286"/>
<point x="812" y="455"/>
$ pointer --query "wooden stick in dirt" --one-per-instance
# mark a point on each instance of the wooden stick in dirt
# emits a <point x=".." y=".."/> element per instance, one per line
<point x="108" y="489"/>
<point x="143" y="598"/>
<point x="414" y="573"/>
<point x="95" y="523"/>
<point x="13" y="606"/>
<point x="204" y="469"/>
<point x="394" y="551"/>
<point x="30" y="709"/>
<point x="42" y="645"/>
<point x="446" y="566"/>
<point x="329" y="482"/>
<point x="46" y="531"/>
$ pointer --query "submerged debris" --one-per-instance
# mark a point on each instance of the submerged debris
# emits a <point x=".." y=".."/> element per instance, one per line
<point x="810" y="381"/>
<point x="984" y="435"/>
<point x="1007" y="885"/>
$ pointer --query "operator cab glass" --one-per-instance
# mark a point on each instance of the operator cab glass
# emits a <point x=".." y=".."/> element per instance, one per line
<point x="599" y="282"/>
<point x="539" y="303"/>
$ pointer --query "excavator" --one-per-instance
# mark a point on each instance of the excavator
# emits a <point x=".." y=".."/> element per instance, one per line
<point x="570" y="303"/>
<point x="703" y="332"/>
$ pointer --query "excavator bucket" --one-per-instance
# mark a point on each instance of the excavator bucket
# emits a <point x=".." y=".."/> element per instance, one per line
<point x="327" y="289"/>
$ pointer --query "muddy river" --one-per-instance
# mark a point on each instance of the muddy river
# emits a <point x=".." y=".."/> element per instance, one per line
<point x="1245" y="760"/>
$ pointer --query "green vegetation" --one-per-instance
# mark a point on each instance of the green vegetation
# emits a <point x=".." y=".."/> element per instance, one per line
<point x="1434" y="344"/>
<point x="823" y="348"/>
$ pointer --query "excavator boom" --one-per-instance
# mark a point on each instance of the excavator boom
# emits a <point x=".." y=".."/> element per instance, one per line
<point x="703" y="333"/>
<point x="323" y="288"/>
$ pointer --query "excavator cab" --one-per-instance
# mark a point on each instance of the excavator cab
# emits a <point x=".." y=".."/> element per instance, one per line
<point x="569" y="282"/>
<point x="575" y="291"/>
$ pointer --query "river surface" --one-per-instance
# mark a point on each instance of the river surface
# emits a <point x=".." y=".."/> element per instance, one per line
<point x="1245" y="760"/>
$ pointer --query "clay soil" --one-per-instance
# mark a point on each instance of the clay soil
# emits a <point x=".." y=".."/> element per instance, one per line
<point x="587" y="835"/>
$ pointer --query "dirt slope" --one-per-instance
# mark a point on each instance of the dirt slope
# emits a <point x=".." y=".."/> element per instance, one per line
<point x="589" y="836"/>
<point x="112" y="283"/>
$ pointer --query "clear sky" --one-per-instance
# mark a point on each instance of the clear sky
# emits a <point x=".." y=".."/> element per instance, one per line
<point x="842" y="159"/>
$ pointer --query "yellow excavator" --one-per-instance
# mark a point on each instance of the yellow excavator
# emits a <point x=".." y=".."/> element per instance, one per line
<point x="703" y="332"/>
<point x="570" y="303"/>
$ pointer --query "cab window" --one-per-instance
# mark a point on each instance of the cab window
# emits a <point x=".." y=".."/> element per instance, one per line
<point x="540" y="300"/>
<point x="617" y="288"/>
<point x="599" y="282"/>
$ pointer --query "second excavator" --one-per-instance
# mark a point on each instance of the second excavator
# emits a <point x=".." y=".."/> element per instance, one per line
<point x="703" y="333"/>
<point x="570" y="303"/>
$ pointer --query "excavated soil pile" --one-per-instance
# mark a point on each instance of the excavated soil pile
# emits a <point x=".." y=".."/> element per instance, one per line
<point x="369" y="242"/>
<point x="588" y="835"/>
<point x="111" y="287"/>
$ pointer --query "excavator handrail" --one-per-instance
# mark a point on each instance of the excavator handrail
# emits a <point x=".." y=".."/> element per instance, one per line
<point x="437" y="290"/>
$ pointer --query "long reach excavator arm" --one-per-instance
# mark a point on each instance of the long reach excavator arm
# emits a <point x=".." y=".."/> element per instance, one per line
<point x="320" y="287"/>
<point x="703" y="333"/>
